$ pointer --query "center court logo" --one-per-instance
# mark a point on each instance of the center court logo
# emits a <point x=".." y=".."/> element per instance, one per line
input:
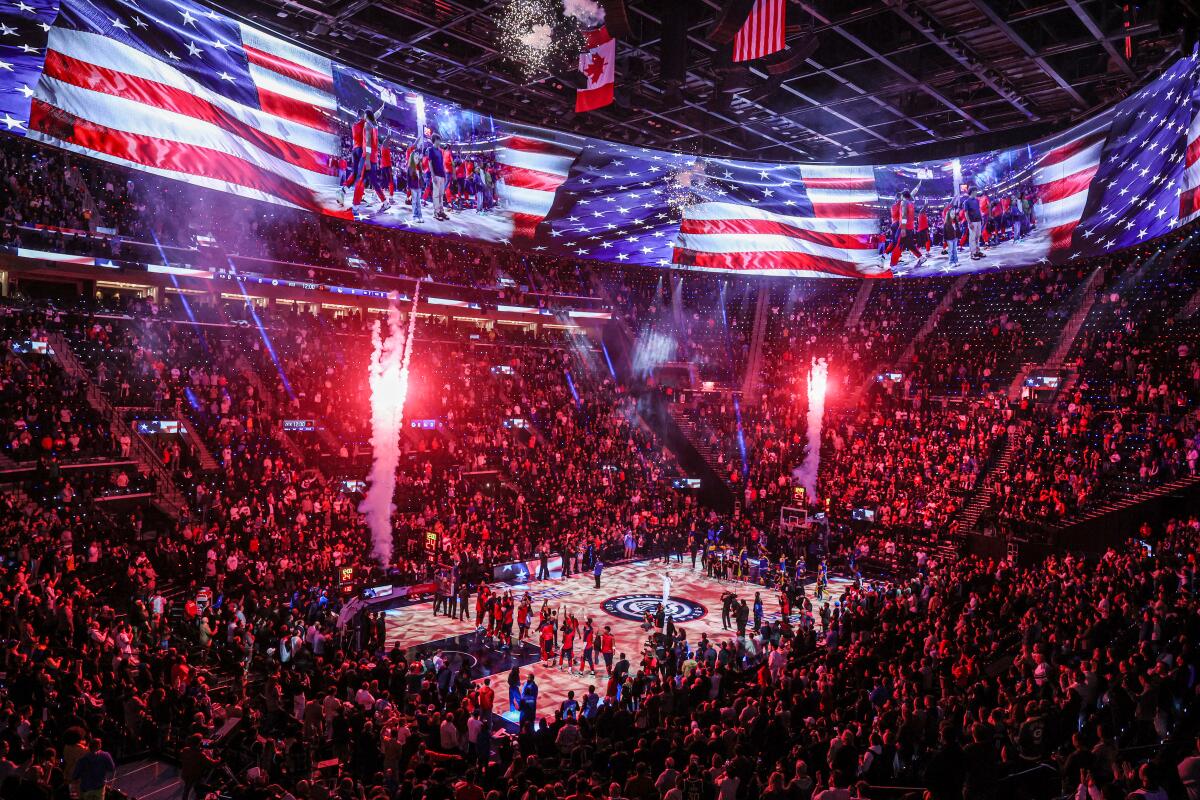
<point x="633" y="606"/>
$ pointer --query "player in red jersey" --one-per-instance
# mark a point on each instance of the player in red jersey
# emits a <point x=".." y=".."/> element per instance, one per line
<point x="588" y="661"/>
<point x="906" y="238"/>
<point x="547" y="640"/>
<point x="350" y="174"/>
<point x="983" y="209"/>
<point x="524" y="612"/>
<point x="567" y="654"/>
<point x="506" y="627"/>
<point x="357" y="132"/>
<point x="387" y="177"/>
<point x="481" y="601"/>
<point x="372" y="172"/>
<point x="364" y="136"/>
<point x="893" y="233"/>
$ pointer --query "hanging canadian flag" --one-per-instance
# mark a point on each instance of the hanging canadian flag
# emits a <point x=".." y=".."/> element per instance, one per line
<point x="598" y="64"/>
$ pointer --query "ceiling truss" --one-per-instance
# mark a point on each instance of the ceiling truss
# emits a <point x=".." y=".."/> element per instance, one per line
<point x="887" y="77"/>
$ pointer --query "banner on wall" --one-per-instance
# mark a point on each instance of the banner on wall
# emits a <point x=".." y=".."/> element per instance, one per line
<point x="177" y="90"/>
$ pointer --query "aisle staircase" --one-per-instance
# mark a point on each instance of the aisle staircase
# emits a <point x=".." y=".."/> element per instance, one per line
<point x="1070" y="331"/>
<point x="168" y="497"/>
<point x="860" y="304"/>
<point x="1067" y="335"/>
<point x="757" y="337"/>
<point x="987" y="485"/>
<point x="935" y="316"/>
<point x="662" y="416"/>
<point x="203" y="454"/>
<point x="268" y="402"/>
<point x="254" y="379"/>
<point x="694" y="430"/>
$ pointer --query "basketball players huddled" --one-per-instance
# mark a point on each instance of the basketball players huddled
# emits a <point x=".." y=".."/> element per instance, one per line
<point x="433" y="172"/>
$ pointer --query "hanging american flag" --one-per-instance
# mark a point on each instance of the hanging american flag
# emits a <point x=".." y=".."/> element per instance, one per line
<point x="173" y="88"/>
<point x="23" y="29"/>
<point x="185" y="93"/>
<point x="783" y="219"/>
<point x="763" y="32"/>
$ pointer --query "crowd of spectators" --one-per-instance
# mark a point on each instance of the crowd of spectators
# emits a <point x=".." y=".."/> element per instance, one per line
<point x="1126" y="421"/>
<point x="913" y="463"/>
<point x="532" y="448"/>
<point x="55" y="418"/>
<point x="970" y="679"/>
<point x="996" y="323"/>
<point x="130" y="631"/>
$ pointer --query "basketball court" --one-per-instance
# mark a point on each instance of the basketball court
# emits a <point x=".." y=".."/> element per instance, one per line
<point x="626" y="592"/>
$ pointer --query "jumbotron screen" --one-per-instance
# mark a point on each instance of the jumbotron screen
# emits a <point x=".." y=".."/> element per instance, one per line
<point x="178" y="90"/>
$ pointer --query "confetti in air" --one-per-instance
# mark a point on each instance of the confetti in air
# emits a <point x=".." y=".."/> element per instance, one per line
<point x="388" y="378"/>
<point x="540" y="35"/>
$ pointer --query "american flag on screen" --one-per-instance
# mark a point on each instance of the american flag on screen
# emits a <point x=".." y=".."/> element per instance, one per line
<point x="536" y="162"/>
<point x="763" y="32"/>
<point x="23" y="29"/>
<point x="615" y="205"/>
<point x="1189" y="197"/>
<point x="1140" y="179"/>
<point x="808" y="219"/>
<point x="1063" y="177"/>
<point x="179" y="91"/>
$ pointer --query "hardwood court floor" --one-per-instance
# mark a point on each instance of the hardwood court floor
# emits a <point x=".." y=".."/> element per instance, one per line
<point x="625" y="590"/>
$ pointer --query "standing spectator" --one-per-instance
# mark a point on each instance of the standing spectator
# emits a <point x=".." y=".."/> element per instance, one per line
<point x="529" y="696"/>
<point x="194" y="764"/>
<point x="93" y="771"/>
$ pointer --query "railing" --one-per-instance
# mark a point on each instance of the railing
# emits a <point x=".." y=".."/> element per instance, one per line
<point x="1009" y="783"/>
<point x="752" y="378"/>
<point x="935" y="317"/>
<point x="1074" y="323"/>
<point x="887" y="792"/>
<point x="267" y="399"/>
<point x="139" y="450"/>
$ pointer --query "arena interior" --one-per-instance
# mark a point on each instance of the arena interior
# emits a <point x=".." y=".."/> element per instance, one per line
<point x="600" y="400"/>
